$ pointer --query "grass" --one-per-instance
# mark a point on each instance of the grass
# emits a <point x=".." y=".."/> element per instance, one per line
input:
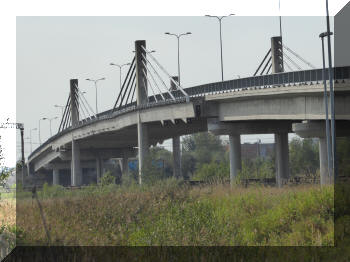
<point x="171" y="214"/>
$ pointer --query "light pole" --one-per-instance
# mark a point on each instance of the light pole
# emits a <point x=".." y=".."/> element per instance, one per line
<point x="120" y="72"/>
<point x="220" y="18"/>
<point x="44" y="118"/>
<point x="30" y="137"/>
<point x="62" y="107"/>
<point x="331" y="94"/>
<point x="329" y="158"/>
<point x="95" y="81"/>
<point x="50" y="119"/>
<point x="178" y="50"/>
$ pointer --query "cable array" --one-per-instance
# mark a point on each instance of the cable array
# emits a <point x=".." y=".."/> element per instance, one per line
<point x="127" y="88"/>
<point x="176" y="84"/>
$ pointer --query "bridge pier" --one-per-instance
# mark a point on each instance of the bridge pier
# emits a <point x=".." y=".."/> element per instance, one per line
<point x="324" y="175"/>
<point x="143" y="150"/>
<point x="125" y="166"/>
<point x="317" y="129"/>
<point x="98" y="170"/>
<point x="76" y="171"/>
<point x="55" y="176"/>
<point x="141" y="99"/>
<point x="235" y="156"/>
<point x="177" y="157"/>
<point x="282" y="158"/>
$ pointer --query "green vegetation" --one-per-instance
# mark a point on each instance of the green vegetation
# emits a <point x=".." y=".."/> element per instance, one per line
<point x="168" y="213"/>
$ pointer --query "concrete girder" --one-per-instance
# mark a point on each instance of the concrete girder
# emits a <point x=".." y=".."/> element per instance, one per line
<point x="218" y="127"/>
<point x="44" y="160"/>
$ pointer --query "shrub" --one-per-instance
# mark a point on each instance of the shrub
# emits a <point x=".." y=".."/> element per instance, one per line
<point x="212" y="172"/>
<point x="107" y="179"/>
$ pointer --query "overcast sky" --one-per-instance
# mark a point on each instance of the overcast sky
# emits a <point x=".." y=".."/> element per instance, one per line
<point x="52" y="50"/>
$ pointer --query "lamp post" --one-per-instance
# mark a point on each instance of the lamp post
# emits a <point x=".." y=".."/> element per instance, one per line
<point x="120" y="72"/>
<point x="329" y="158"/>
<point x="178" y="50"/>
<point x="331" y="94"/>
<point x="220" y="18"/>
<point x="30" y="137"/>
<point x="62" y="107"/>
<point x="50" y="119"/>
<point x="44" y="118"/>
<point x="95" y="82"/>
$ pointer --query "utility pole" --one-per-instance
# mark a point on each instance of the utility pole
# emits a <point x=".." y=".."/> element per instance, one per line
<point x="331" y="92"/>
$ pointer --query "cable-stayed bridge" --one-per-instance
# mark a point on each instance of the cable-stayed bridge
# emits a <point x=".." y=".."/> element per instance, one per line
<point x="152" y="106"/>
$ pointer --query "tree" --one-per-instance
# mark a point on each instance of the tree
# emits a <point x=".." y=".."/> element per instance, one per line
<point x="199" y="149"/>
<point x="303" y="157"/>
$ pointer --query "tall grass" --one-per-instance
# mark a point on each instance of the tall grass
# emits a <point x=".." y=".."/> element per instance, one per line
<point x="168" y="213"/>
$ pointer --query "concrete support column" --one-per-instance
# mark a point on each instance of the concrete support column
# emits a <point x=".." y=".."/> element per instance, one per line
<point x="143" y="143"/>
<point x="282" y="158"/>
<point x="55" y="176"/>
<point x="324" y="176"/>
<point x="141" y="99"/>
<point x="98" y="170"/>
<point x="76" y="171"/>
<point x="125" y="167"/>
<point x="177" y="157"/>
<point x="235" y="156"/>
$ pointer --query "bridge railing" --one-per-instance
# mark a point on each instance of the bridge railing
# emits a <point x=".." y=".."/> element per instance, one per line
<point x="272" y="80"/>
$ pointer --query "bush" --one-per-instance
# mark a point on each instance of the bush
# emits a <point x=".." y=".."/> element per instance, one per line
<point x="213" y="171"/>
<point x="107" y="179"/>
<point x="52" y="191"/>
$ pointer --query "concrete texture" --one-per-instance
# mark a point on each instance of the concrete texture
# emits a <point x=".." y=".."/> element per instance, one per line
<point x="235" y="156"/>
<point x="177" y="157"/>
<point x="282" y="158"/>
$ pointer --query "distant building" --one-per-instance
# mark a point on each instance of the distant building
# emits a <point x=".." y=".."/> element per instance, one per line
<point x="252" y="151"/>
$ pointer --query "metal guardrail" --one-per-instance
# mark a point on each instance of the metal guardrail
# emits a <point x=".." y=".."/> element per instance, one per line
<point x="271" y="80"/>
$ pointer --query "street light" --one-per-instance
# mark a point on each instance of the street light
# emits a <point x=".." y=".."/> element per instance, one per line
<point x="44" y="118"/>
<point x="62" y="107"/>
<point x="95" y="81"/>
<point x="331" y="94"/>
<point x="329" y="158"/>
<point x="120" y="72"/>
<point x="220" y="18"/>
<point x="30" y="137"/>
<point x="50" y="119"/>
<point x="178" y="50"/>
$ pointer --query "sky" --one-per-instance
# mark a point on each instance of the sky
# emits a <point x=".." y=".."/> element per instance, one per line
<point x="51" y="50"/>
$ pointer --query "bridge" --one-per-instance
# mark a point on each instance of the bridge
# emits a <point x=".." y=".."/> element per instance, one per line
<point x="148" y="112"/>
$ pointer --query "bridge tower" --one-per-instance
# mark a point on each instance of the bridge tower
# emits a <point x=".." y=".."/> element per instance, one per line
<point x="141" y="99"/>
<point x="281" y="138"/>
<point x="277" y="54"/>
<point x="76" y="171"/>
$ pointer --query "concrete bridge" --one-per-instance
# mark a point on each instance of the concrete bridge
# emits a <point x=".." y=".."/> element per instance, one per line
<point x="277" y="103"/>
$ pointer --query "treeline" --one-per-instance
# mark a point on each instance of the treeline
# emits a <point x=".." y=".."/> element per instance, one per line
<point x="205" y="157"/>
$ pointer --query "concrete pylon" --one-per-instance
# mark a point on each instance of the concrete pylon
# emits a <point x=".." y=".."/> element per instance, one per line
<point x="141" y="99"/>
<point x="177" y="157"/>
<point x="125" y="166"/>
<point x="98" y="170"/>
<point x="277" y="54"/>
<point x="235" y="156"/>
<point x="176" y="143"/>
<point x="317" y="129"/>
<point x="55" y="176"/>
<point x="76" y="171"/>
<point x="282" y="158"/>
<point x="324" y="175"/>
